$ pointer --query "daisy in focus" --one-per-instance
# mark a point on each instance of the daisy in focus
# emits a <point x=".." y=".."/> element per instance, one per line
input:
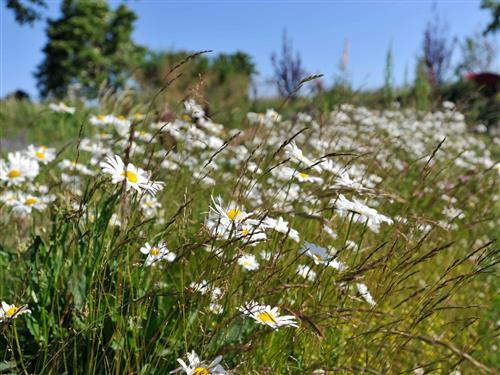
<point x="267" y="315"/>
<point x="232" y="213"/>
<point x="156" y="253"/>
<point x="223" y="221"/>
<point x="135" y="177"/>
<point x="196" y="366"/>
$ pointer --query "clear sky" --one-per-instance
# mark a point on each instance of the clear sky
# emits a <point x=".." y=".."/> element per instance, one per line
<point x="318" y="30"/>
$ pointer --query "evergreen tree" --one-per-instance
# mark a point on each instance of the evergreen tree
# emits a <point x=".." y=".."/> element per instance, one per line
<point x="422" y="88"/>
<point x="89" y="44"/>
<point x="388" y="77"/>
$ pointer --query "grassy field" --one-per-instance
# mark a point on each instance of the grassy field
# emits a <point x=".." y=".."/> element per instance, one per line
<point x="350" y="242"/>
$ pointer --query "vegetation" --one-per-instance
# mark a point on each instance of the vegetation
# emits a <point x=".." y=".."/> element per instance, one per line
<point x="89" y="45"/>
<point x="401" y="278"/>
<point x="172" y="220"/>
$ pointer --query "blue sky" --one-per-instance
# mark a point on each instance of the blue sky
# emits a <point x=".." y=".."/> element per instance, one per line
<point x="318" y="30"/>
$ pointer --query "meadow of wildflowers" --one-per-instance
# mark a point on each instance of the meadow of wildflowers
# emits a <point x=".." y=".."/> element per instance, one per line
<point x="360" y="242"/>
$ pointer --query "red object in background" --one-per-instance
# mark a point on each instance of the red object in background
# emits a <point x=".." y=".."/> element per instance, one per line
<point x="490" y="81"/>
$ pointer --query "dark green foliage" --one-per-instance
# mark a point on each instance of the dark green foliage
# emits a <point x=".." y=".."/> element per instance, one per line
<point x="89" y="44"/>
<point x="156" y="65"/>
<point x="422" y="88"/>
<point x="388" y="77"/>
<point x="494" y="7"/>
<point x="237" y="63"/>
<point x="152" y="72"/>
<point x="222" y="82"/>
<point x="27" y="11"/>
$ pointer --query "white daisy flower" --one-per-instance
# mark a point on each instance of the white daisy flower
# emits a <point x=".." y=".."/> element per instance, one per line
<point x="216" y="308"/>
<point x="305" y="177"/>
<point x="252" y="234"/>
<point x="453" y="213"/>
<point x="137" y="116"/>
<point x="364" y="213"/>
<point x="156" y="253"/>
<point x="41" y="153"/>
<point x="143" y="136"/>
<point x="100" y="120"/>
<point x="330" y="232"/>
<point x="306" y="272"/>
<point x="223" y="221"/>
<point x="18" y="169"/>
<point x="295" y="153"/>
<point x="24" y="204"/>
<point x="281" y="226"/>
<point x="248" y="262"/>
<point x="267" y="315"/>
<point x="8" y="197"/>
<point x="321" y="255"/>
<point x="135" y="177"/>
<point x="193" y="109"/>
<point x="232" y="213"/>
<point x="12" y="311"/>
<point x="149" y="205"/>
<point x="114" y="220"/>
<point x="195" y="366"/>
<point x="363" y="290"/>
<point x="72" y="165"/>
<point x="201" y="287"/>
<point x="61" y="108"/>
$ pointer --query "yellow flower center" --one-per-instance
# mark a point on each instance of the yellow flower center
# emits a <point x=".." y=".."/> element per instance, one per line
<point x="303" y="175"/>
<point x="100" y="117"/>
<point x="30" y="201"/>
<point x="247" y="263"/>
<point x="138" y="114"/>
<point x="244" y="232"/>
<point x="200" y="371"/>
<point x="131" y="176"/>
<point x="318" y="257"/>
<point x="233" y="213"/>
<point x="40" y="154"/>
<point x="121" y="117"/>
<point x="154" y="251"/>
<point x="186" y="118"/>
<point x="266" y="317"/>
<point x="13" y="173"/>
<point x="12" y="311"/>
